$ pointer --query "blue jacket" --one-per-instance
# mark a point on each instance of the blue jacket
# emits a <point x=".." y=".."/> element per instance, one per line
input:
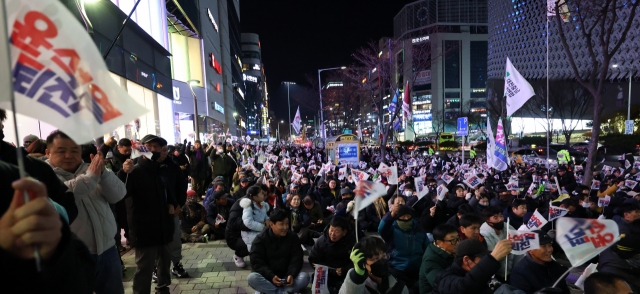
<point x="404" y="249"/>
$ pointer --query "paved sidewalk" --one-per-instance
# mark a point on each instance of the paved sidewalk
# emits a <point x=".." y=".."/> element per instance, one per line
<point x="211" y="270"/>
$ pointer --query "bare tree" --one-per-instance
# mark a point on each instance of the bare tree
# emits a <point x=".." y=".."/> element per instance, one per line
<point x="379" y="72"/>
<point x="603" y="26"/>
<point x="438" y="124"/>
<point x="569" y="102"/>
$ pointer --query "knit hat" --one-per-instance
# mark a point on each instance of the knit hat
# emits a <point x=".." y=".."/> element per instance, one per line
<point x="404" y="210"/>
<point x="30" y="138"/>
<point x="345" y="191"/>
<point x="219" y="195"/>
<point x="192" y="193"/>
<point x="471" y="247"/>
<point x="544" y="238"/>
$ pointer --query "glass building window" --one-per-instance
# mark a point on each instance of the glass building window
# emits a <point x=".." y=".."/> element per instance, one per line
<point x="478" y="64"/>
<point x="451" y="103"/>
<point x="452" y="64"/>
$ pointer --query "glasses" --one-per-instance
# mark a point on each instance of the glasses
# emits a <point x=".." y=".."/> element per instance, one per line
<point x="453" y="241"/>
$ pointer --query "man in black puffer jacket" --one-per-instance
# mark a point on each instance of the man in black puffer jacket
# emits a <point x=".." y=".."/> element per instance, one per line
<point x="333" y="249"/>
<point x="276" y="258"/>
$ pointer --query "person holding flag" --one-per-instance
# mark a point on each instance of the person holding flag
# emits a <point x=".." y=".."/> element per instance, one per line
<point x="406" y="244"/>
<point x="538" y="269"/>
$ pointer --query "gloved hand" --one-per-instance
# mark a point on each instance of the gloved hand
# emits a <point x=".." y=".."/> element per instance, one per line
<point x="358" y="260"/>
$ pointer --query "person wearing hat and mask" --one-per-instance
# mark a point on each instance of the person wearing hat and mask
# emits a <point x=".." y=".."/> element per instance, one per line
<point x="218" y="214"/>
<point x="200" y="169"/>
<point x="472" y="268"/>
<point x="194" y="219"/>
<point x="537" y="269"/>
<point x="223" y="165"/>
<point x="150" y="212"/>
<point x="242" y="188"/>
<point x="406" y="241"/>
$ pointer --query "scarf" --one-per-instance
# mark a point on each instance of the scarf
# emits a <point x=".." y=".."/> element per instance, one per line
<point x="198" y="154"/>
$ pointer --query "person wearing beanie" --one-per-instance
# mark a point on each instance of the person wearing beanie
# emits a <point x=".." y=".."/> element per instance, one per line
<point x="26" y="141"/>
<point x="194" y="219"/>
<point x="406" y="242"/>
<point x="218" y="214"/>
<point x="538" y="269"/>
<point x="472" y="268"/>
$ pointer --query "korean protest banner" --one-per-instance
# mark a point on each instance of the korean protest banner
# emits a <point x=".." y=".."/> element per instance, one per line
<point x="359" y="175"/>
<point x="536" y="221"/>
<point x="473" y="181"/>
<point x="389" y="172"/>
<point x="320" y="277"/>
<point x="556" y="212"/>
<point x="59" y="75"/>
<point x="447" y="178"/>
<point x="583" y="239"/>
<point x="523" y="241"/>
<point x="604" y="202"/>
<point x="442" y="192"/>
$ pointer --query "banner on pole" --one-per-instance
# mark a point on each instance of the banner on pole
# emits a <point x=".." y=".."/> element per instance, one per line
<point x="583" y="239"/>
<point x="523" y="241"/>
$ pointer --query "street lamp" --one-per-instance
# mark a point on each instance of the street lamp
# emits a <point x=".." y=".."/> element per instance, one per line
<point x="322" y="132"/>
<point x="195" y="107"/>
<point x="289" y="103"/>
<point x="281" y="122"/>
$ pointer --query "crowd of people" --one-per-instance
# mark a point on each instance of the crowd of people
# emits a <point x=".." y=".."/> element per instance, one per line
<point x="273" y="203"/>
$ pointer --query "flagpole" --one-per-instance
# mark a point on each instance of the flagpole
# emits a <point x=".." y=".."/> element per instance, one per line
<point x="19" y="155"/>
<point x="506" y="260"/>
<point x="547" y="108"/>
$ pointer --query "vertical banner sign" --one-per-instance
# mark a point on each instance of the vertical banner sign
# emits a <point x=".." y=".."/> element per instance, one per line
<point x="59" y="75"/>
<point x="320" y="280"/>
<point x="583" y="239"/>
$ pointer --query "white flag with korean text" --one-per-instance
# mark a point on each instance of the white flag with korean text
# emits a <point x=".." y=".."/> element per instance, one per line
<point x="516" y="89"/>
<point x="582" y="239"/>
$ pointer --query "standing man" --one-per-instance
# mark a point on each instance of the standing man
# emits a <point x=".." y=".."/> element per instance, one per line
<point x="121" y="152"/>
<point x="223" y="165"/>
<point x="150" y="211"/>
<point x="94" y="189"/>
<point x="200" y="170"/>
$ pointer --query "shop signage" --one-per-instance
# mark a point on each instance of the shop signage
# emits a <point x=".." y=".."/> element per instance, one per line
<point x="213" y="21"/>
<point x="256" y="67"/>
<point x="176" y="95"/>
<point x="214" y="63"/>
<point x="419" y="39"/>
<point x="423" y="78"/>
<point x="218" y="107"/>
<point x="249" y="78"/>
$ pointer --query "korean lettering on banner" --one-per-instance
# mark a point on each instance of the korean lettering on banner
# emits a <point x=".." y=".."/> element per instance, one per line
<point x="512" y="186"/>
<point x="630" y="183"/>
<point x="536" y="221"/>
<point x="604" y="202"/>
<point x="556" y="212"/>
<point x="441" y="192"/>
<point x="320" y="280"/>
<point x="523" y="241"/>
<point x="589" y="231"/>
<point x="447" y="178"/>
<point x="473" y="181"/>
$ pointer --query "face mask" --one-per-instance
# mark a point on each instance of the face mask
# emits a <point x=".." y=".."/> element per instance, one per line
<point x="192" y="200"/>
<point x="220" y="151"/>
<point x="305" y="182"/>
<point x="498" y="226"/>
<point x="155" y="156"/>
<point x="405" y="225"/>
<point x="585" y="204"/>
<point x="408" y="193"/>
<point x="380" y="269"/>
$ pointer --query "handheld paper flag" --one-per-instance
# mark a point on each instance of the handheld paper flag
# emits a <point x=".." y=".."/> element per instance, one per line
<point x="536" y="221"/>
<point x="320" y="278"/>
<point x="59" y="75"/>
<point x="421" y="189"/>
<point x="523" y="241"/>
<point x="366" y="192"/>
<point x="556" y="212"/>
<point x="389" y="172"/>
<point x="583" y="239"/>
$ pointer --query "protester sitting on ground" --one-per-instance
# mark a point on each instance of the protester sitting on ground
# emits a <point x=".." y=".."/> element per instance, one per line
<point x="538" y="269"/>
<point x="233" y="235"/>
<point x="606" y="283"/>
<point x="370" y="272"/>
<point x="470" y="228"/>
<point x="241" y="189"/>
<point x="406" y="243"/>
<point x="218" y="214"/>
<point x="472" y="268"/>
<point x="493" y="230"/>
<point x="333" y="249"/>
<point x="315" y="214"/>
<point x="299" y="220"/>
<point x="438" y="256"/>
<point x="194" y="219"/>
<point x="276" y="258"/>
<point x="254" y="214"/>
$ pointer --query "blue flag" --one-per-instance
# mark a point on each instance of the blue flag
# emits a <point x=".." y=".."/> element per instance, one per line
<point x="394" y="102"/>
<point x="500" y="159"/>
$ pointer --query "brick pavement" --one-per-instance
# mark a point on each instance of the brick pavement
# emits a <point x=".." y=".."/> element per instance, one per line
<point x="211" y="270"/>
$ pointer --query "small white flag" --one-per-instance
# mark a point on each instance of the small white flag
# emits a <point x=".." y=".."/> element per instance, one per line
<point x="556" y="212"/>
<point x="320" y="279"/>
<point x="389" y="172"/>
<point x="536" y="221"/>
<point x="441" y="191"/>
<point x="421" y="189"/>
<point x="523" y="241"/>
<point x="516" y="88"/>
<point x="366" y="192"/>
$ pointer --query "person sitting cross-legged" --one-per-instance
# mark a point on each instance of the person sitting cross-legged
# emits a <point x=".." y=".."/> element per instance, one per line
<point x="276" y="258"/>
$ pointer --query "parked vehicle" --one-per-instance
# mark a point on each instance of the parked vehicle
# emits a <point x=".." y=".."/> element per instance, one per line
<point x="541" y="152"/>
<point x="612" y="153"/>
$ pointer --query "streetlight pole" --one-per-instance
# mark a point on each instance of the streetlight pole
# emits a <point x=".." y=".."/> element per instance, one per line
<point x="322" y="131"/>
<point x="195" y="107"/>
<point x="289" y="103"/>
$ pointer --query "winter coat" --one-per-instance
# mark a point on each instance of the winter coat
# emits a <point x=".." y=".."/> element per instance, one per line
<point x="530" y="276"/>
<point x="315" y="213"/>
<point x="234" y="223"/>
<point x="199" y="218"/>
<point x="371" y="219"/>
<point x="333" y="254"/>
<point x="298" y="218"/>
<point x="176" y="183"/>
<point x="253" y="217"/>
<point x="95" y="224"/>
<point x="357" y="284"/>
<point x="199" y="168"/>
<point x="223" y="164"/>
<point x="150" y="223"/>
<point x="404" y="249"/>
<point x="455" y="279"/>
<point x="214" y="209"/>
<point x="568" y="181"/>
<point x="70" y="268"/>
<point x="40" y="170"/>
<point x="434" y="261"/>
<point x="273" y="255"/>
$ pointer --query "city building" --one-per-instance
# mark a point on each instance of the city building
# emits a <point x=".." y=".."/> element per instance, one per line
<point x="518" y="30"/>
<point x="256" y="86"/>
<point x="452" y="34"/>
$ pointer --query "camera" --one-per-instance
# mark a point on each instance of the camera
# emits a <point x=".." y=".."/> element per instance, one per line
<point x="284" y="281"/>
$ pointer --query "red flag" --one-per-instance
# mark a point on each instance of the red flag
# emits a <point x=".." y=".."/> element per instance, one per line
<point x="406" y="103"/>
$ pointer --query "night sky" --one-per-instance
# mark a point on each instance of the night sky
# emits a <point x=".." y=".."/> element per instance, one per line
<point x="300" y="37"/>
